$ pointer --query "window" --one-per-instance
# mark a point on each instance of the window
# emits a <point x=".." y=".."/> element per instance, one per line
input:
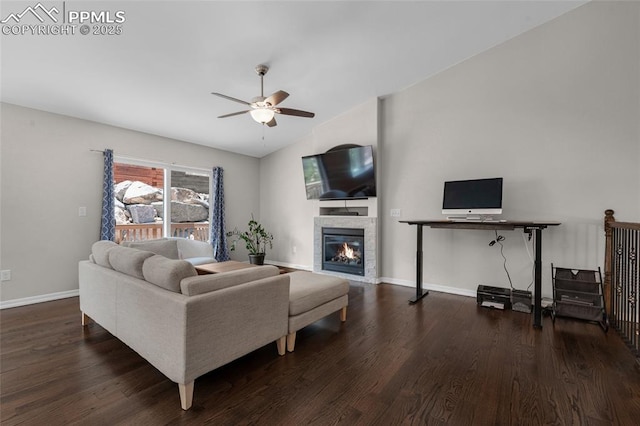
<point x="142" y="203"/>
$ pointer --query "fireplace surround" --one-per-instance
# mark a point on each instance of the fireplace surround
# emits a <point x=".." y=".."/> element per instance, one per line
<point x="366" y="225"/>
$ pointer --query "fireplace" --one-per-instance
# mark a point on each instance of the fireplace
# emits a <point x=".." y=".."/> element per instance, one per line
<point x="343" y="250"/>
<point x="368" y="247"/>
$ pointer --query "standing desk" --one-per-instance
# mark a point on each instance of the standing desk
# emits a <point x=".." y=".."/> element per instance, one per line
<point x="527" y="226"/>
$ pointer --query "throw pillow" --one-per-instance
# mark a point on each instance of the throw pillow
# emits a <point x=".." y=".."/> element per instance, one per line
<point x="128" y="260"/>
<point x="100" y="252"/>
<point x="167" y="273"/>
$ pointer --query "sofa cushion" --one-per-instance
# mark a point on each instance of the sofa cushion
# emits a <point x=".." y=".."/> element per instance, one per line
<point x="189" y="249"/>
<point x="128" y="260"/>
<point x="308" y="290"/>
<point x="167" y="273"/>
<point x="206" y="283"/>
<point x="164" y="247"/>
<point x="100" y="252"/>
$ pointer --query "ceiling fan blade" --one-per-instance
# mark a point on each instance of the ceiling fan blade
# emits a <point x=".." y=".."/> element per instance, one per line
<point x="296" y="112"/>
<point x="272" y="123"/>
<point x="277" y="97"/>
<point x="230" y="98"/>
<point x="233" y="113"/>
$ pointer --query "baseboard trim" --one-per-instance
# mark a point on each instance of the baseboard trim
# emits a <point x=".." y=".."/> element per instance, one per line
<point x="429" y="286"/>
<point x="288" y="265"/>
<point x="14" y="303"/>
<point x="395" y="281"/>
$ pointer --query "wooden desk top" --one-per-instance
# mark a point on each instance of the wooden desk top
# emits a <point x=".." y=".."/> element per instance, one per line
<point x="470" y="224"/>
<point x="219" y="267"/>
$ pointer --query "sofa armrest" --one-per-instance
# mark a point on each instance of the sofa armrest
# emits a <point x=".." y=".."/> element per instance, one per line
<point x="200" y="284"/>
<point x="98" y="293"/>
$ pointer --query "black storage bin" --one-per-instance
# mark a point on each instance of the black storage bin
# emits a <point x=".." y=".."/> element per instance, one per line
<point x="578" y="293"/>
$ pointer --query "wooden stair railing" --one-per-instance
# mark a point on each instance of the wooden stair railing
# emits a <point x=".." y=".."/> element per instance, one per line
<point x="622" y="278"/>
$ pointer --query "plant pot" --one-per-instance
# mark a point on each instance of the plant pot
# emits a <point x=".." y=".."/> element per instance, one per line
<point x="256" y="259"/>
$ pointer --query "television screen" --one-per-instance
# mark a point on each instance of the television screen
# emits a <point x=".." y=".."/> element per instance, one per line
<point x="340" y="174"/>
<point x="476" y="196"/>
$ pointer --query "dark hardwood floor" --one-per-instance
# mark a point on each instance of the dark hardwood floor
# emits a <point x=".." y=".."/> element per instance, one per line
<point x="442" y="361"/>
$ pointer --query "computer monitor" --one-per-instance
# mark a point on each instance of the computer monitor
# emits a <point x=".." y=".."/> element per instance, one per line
<point x="474" y="197"/>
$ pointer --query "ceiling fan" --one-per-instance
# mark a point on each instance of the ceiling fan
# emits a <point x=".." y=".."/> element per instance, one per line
<point x="263" y="109"/>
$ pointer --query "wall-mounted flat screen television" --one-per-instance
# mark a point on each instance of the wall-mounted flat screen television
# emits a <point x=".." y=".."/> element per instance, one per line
<point x="472" y="197"/>
<point x="340" y="174"/>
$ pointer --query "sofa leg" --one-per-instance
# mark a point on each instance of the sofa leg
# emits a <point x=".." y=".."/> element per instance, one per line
<point x="343" y="314"/>
<point x="281" y="342"/>
<point x="186" y="395"/>
<point x="291" y="341"/>
<point x="85" y="319"/>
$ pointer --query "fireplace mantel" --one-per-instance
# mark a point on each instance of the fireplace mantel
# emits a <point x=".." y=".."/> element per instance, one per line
<point x="370" y="226"/>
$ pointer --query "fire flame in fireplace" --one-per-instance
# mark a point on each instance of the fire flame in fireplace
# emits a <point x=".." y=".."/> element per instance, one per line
<point x="347" y="251"/>
<point x="346" y="254"/>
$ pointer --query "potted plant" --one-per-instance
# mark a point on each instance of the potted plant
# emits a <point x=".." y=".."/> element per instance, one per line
<point x="255" y="239"/>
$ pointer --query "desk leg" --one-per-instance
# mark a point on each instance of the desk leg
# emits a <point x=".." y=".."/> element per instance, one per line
<point x="420" y="293"/>
<point x="537" y="296"/>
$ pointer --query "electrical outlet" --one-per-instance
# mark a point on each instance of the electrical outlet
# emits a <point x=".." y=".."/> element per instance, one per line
<point x="5" y="275"/>
<point x="82" y="211"/>
<point x="294" y="249"/>
<point x="396" y="212"/>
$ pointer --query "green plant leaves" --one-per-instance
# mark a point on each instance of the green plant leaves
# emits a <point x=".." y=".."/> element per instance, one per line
<point x="256" y="238"/>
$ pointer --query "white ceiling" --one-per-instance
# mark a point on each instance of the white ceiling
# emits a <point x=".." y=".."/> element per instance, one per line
<point x="156" y="77"/>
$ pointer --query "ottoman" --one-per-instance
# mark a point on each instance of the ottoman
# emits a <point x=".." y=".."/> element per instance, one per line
<point x="314" y="296"/>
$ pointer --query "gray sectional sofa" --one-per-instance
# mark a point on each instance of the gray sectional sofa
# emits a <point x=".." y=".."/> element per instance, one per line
<point x="184" y="324"/>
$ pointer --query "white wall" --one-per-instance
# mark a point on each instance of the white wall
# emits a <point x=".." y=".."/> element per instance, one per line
<point x="48" y="171"/>
<point x="285" y="211"/>
<point x="554" y="111"/>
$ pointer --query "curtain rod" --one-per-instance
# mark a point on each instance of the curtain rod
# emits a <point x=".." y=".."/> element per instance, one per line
<point x="153" y="163"/>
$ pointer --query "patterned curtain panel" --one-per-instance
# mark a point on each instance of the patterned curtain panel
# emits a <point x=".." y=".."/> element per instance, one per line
<point x="218" y="237"/>
<point x="108" y="223"/>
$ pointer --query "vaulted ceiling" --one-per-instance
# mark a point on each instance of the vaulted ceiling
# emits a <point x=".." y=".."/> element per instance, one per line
<point x="156" y="76"/>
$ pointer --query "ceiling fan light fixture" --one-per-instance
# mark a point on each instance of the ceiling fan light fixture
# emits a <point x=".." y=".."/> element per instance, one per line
<point x="262" y="115"/>
<point x="263" y="110"/>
